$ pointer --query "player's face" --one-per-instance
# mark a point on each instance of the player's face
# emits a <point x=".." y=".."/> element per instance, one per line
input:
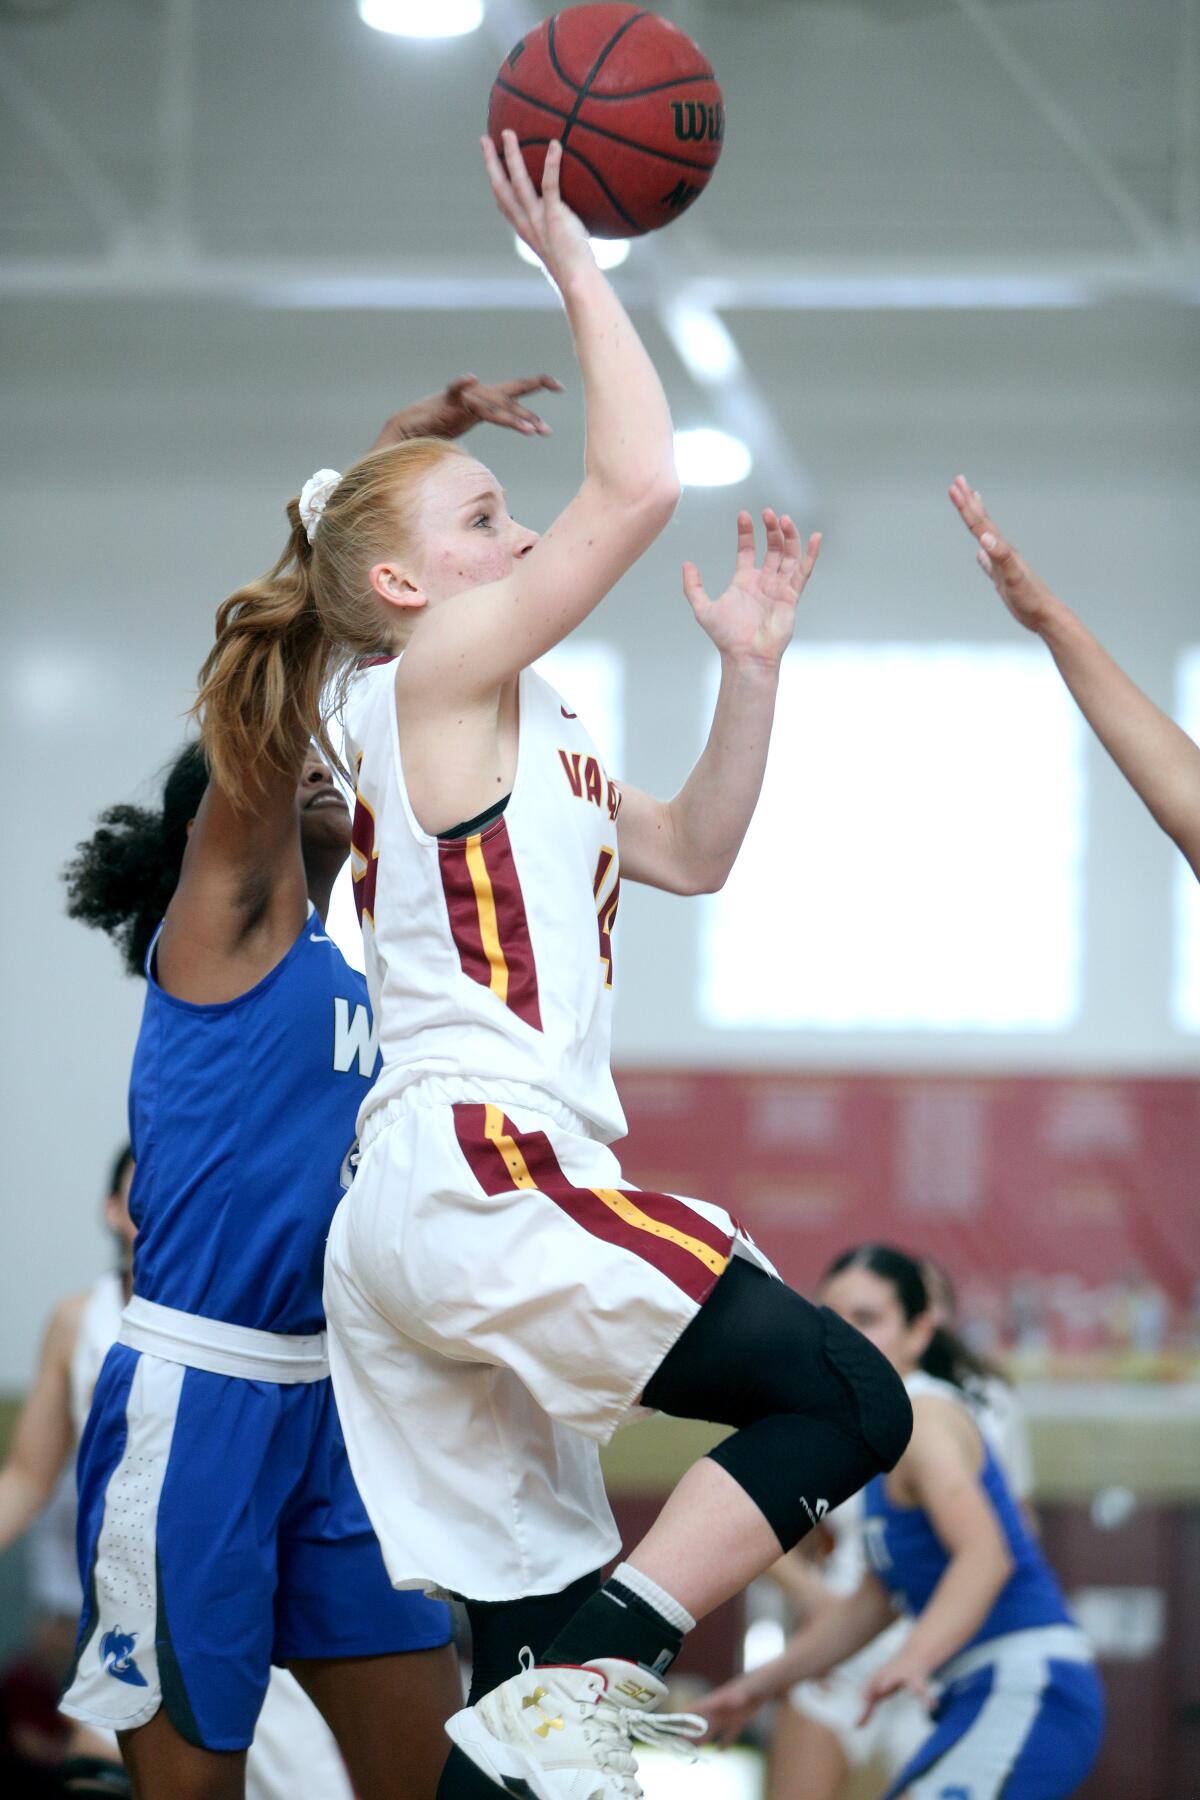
<point x="116" y="1210"/>
<point x="873" y="1307"/>
<point x="465" y="536"/>
<point x="324" y="814"/>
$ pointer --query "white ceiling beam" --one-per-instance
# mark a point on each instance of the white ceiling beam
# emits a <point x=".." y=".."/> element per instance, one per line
<point x="1145" y="230"/>
<point x="151" y="271"/>
<point x="176" y="121"/>
<point x="44" y="125"/>
<point x="1187" y="174"/>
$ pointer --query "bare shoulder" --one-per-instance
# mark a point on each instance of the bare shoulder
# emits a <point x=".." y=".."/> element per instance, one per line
<point x="63" y="1328"/>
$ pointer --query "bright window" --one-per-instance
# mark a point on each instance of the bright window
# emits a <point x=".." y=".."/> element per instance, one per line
<point x="1185" y="999"/>
<point x="916" y="860"/>
<point x="590" y="677"/>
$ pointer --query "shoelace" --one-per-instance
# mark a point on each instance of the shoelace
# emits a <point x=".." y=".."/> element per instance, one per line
<point x="612" y="1729"/>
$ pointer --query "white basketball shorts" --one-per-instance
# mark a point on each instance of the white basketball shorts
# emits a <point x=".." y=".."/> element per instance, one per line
<point x="497" y="1298"/>
<point x="896" y="1726"/>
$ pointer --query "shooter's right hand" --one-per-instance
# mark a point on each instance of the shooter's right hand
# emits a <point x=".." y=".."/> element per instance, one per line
<point x="543" y="221"/>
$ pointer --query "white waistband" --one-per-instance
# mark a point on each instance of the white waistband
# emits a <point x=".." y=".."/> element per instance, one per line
<point x="449" y="1090"/>
<point x="1019" y="1650"/>
<point x="221" y="1348"/>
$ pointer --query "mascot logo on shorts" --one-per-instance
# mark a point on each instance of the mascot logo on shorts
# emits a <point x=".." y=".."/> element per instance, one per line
<point x="116" y="1653"/>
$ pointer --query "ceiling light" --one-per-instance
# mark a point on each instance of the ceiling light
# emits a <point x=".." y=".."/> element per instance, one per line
<point x="422" y="18"/>
<point x="609" y="253"/>
<point x="710" y="458"/>
<point x="704" y="345"/>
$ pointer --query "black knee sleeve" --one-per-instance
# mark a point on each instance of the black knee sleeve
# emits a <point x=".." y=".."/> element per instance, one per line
<point x="820" y="1410"/>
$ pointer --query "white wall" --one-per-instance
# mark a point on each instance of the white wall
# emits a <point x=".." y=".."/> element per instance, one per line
<point x="147" y="452"/>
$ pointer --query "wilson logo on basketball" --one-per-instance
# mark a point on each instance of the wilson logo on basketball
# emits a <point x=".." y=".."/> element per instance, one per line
<point x="696" y="123"/>
<point x="681" y="195"/>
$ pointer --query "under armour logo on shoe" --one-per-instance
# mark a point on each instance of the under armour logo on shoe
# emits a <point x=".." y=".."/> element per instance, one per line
<point x="116" y="1653"/>
<point x="548" y="1725"/>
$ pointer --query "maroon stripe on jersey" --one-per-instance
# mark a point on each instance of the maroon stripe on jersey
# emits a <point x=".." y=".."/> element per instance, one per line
<point x="488" y="1163"/>
<point x="512" y="925"/>
<point x="462" y="907"/>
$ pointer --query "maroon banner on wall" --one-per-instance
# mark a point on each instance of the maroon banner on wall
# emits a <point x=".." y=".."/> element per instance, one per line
<point x="1066" y="1210"/>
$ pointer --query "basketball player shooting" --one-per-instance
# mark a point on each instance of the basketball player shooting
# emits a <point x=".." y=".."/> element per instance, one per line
<point x="500" y="1299"/>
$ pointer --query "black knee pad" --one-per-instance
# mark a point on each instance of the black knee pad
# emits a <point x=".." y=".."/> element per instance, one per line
<point x="853" y="1422"/>
<point x="880" y="1398"/>
<point x="820" y="1410"/>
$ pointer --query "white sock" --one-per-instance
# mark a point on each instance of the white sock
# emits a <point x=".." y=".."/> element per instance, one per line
<point x="654" y="1596"/>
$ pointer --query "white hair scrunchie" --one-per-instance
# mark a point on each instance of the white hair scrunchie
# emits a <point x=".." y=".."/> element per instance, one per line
<point x="314" y="497"/>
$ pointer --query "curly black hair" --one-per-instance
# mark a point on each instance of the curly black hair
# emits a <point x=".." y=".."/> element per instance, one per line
<point x="122" y="877"/>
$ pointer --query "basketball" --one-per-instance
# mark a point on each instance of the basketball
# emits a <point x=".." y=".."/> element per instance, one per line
<point x="635" y="103"/>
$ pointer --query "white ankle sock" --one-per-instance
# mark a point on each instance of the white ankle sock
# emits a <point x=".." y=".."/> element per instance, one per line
<point x="654" y="1596"/>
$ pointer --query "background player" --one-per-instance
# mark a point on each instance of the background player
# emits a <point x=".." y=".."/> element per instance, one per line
<point x="49" y="1426"/>
<point x="1019" y="1711"/>
<point x="818" y="1736"/>
<point x="1159" y="760"/>
<point x="247" y="1544"/>
<point x="292" y="1749"/>
<point x="497" y="1295"/>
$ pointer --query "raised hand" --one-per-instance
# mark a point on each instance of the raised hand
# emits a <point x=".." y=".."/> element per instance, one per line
<point x="467" y="402"/>
<point x="543" y="221"/>
<point x="1025" y="594"/>
<point x="755" y="616"/>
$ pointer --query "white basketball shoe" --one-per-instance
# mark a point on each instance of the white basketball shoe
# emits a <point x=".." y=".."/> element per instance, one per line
<point x="555" y="1732"/>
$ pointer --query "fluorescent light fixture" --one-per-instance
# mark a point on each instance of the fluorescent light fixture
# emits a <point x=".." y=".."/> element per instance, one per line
<point x="609" y="253"/>
<point x="422" y="18"/>
<point x="702" y="342"/>
<point x="709" y="458"/>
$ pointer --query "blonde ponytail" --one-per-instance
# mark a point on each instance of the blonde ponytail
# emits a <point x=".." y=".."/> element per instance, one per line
<point x="287" y="644"/>
<point x="262" y="682"/>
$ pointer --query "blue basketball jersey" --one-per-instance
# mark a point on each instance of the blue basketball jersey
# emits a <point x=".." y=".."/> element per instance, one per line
<point x="908" y="1557"/>
<point x="242" y="1118"/>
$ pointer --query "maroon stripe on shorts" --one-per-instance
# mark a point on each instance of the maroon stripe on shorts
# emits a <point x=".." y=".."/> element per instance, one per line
<point x="486" y="1162"/>
<point x="585" y="1207"/>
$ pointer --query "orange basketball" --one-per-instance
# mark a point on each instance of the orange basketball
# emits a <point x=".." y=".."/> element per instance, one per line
<point x="635" y="103"/>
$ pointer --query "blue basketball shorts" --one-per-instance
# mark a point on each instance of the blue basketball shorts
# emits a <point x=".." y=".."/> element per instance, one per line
<point x="1025" y="1729"/>
<point x="220" y="1531"/>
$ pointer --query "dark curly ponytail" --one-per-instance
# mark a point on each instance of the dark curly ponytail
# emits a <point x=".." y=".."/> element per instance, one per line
<point x="123" y="876"/>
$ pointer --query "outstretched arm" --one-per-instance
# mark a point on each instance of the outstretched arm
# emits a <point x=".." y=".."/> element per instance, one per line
<point x="42" y="1438"/>
<point x="836" y="1633"/>
<point x="1160" y="762"/>
<point x="468" y="402"/>
<point x="689" y="844"/>
<point x="940" y="1473"/>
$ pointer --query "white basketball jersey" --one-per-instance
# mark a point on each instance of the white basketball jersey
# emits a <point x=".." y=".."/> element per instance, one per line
<point x="491" y="958"/>
<point x="99" y="1323"/>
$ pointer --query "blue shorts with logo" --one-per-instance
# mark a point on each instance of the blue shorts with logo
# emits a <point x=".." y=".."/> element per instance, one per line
<point x="220" y="1531"/>
<point x="1027" y="1731"/>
